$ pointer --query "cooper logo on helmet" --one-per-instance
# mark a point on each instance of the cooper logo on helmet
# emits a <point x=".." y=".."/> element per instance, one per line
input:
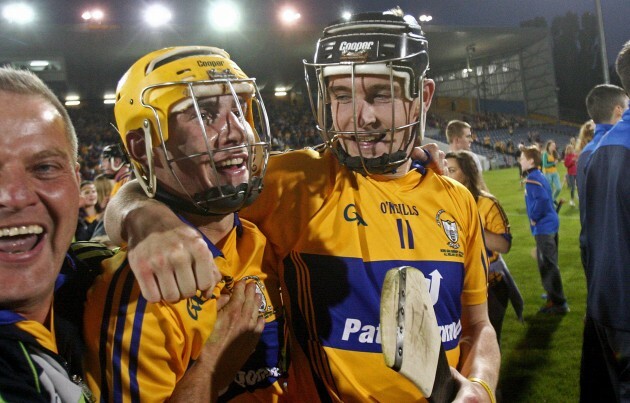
<point x="355" y="46"/>
<point x="203" y="63"/>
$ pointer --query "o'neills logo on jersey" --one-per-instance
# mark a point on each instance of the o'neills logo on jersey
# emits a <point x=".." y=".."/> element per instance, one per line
<point x="346" y="47"/>
<point x="398" y="208"/>
<point x="448" y="224"/>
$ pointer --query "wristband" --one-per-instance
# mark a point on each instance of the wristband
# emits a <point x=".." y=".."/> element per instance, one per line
<point x="485" y="385"/>
<point x="421" y="165"/>
<point x="428" y="160"/>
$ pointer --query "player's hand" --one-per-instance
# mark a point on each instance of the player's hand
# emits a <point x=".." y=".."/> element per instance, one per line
<point x="236" y="332"/>
<point x="437" y="163"/>
<point x="469" y="392"/>
<point x="170" y="259"/>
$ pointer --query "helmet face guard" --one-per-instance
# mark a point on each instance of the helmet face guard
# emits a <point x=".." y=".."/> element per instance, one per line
<point x="110" y="153"/>
<point x="376" y="44"/>
<point x="201" y="162"/>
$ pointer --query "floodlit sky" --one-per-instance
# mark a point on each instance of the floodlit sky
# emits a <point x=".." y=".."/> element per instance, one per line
<point x="502" y="13"/>
<point x="488" y="13"/>
<point x="262" y="15"/>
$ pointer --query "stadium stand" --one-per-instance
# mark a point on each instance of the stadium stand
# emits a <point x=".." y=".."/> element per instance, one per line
<point x="496" y="135"/>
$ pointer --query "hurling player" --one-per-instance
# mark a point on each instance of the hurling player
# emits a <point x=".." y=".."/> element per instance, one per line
<point x="186" y="117"/>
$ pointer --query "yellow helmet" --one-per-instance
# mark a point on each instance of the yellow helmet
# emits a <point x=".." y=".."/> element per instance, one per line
<point x="172" y="79"/>
<point x="135" y="90"/>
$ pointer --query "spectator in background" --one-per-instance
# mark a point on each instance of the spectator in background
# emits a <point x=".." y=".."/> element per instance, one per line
<point x="544" y="225"/>
<point x="89" y="212"/>
<point x="459" y="137"/>
<point x="104" y="188"/>
<point x="570" y="162"/>
<point x="587" y="131"/>
<point x="606" y="233"/>
<point x="550" y="159"/>
<point x="517" y="156"/>
<point x="496" y="232"/>
<point x="605" y="104"/>
<point x="115" y="165"/>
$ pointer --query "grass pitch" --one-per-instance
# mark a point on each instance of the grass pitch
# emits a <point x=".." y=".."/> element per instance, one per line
<point x="540" y="357"/>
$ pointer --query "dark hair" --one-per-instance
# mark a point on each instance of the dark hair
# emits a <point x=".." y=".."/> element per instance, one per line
<point x="474" y="180"/>
<point x="532" y="153"/>
<point x="85" y="183"/>
<point x="82" y="213"/>
<point x="555" y="152"/>
<point x="114" y="151"/>
<point x="622" y="65"/>
<point x="602" y="100"/>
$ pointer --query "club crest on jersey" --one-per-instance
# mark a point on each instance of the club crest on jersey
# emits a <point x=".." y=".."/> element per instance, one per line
<point x="265" y="309"/>
<point x="448" y="224"/>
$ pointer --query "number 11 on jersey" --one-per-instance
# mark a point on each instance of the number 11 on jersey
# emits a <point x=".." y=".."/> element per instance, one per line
<point x="405" y="233"/>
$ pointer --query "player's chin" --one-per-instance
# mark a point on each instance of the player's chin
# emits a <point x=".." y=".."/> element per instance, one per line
<point x="235" y="177"/>
<point x="235" y="171"/>
<point x="371" y="150"/>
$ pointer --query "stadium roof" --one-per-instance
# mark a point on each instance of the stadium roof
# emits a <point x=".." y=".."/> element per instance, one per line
<point x="90" y="59"/>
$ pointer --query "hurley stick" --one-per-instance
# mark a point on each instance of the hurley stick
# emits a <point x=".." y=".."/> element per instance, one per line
<point x="410" y="336"/>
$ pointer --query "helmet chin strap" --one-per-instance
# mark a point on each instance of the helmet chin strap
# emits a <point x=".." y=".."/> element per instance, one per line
<point x="115" y="167"/>
<point x="240" y="196"/>
<point x="385" y="164"/>
<point x="179" y="204"/>
<point x="216" y="204"/>
<point x="370" y="166"/>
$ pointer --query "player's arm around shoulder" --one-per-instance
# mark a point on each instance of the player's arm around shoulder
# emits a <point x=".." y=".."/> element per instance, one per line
<point x="298" y="172"/>
<point x="169" y="258"/>
<point x="296" y="185"/>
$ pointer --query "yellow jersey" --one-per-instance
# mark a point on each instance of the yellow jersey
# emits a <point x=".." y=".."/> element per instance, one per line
<point x="493" y="219"/>
<point x="138" y="351"/>
<point x="337" y="233"/>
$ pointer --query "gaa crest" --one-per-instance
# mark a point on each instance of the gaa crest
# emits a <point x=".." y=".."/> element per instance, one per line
<point x="448" y="224"/>
<point x="265" y="309"/>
